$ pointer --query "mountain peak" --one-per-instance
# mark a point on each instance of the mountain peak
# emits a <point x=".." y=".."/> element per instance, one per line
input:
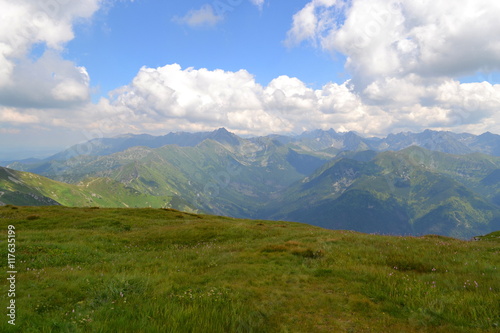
<point x="222" y="135"/>
<point x="318" y="133"/>
<point x="488" y="135"/>
<point x="222" y="130"/>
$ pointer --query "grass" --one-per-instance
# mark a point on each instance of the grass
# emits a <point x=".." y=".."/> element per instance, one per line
<point x="161" y="270"/>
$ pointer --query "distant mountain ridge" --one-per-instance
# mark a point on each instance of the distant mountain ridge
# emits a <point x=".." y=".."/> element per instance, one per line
<point x="429" y="182"/>
<point x="107" y="146"/>
<point x="442" y="141"/>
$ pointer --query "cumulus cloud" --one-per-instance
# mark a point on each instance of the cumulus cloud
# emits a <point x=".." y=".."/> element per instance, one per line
<point x="205" y="16"/>
<point x="405" y="57"/>
<point x="169" y="98"/>
<point x="310" y="23"/>
<point x="193" y="95"/>
<point x="24" y="23"/>
<point x="50" y="80"/>
<point x="429" y="38"/>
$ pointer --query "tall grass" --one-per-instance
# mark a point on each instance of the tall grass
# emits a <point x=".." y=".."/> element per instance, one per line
<point x="153" y="270"/>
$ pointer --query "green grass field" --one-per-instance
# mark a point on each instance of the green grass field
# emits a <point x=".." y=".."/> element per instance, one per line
<point x="155" y="270"/>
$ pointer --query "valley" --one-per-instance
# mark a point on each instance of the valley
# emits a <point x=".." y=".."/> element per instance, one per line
<point x="324" y="178"/>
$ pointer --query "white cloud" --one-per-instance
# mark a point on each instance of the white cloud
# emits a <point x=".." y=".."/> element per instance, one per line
<point x="47" y="82"/>
<point x="24" y="23"/>
<point x="310" y="23"/>
<point x="405" y="57"/>
<point x="169" y="98"/>
<point x="194" y="95"/>
<point x="430" y="38"/>
<point x="205" y="16"/>
<point x="12" y="116"/>
<point x="258" y="3"/>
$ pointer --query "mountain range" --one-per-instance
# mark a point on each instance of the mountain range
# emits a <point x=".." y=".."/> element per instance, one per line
<point x="405" y="184"/>
<point x="442" y="141"/>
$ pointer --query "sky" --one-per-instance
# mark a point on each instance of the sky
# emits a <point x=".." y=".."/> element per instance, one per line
<point x="72" y="71"/>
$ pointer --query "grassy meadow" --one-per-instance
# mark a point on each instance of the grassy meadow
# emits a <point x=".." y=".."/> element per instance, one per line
<point x="161" y="270"/>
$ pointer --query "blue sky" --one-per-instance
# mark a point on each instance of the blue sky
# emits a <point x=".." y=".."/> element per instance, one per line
<point x="71" y="71"/>
<point x="120" y="40"/>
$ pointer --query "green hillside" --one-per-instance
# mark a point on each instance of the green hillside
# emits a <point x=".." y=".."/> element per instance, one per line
<point x="156" y="270"/>
<point x="24" y="188"/>
<point x="226" y="177"/>
<point x="413" y="191"/>
<point x="409" y="192"/>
